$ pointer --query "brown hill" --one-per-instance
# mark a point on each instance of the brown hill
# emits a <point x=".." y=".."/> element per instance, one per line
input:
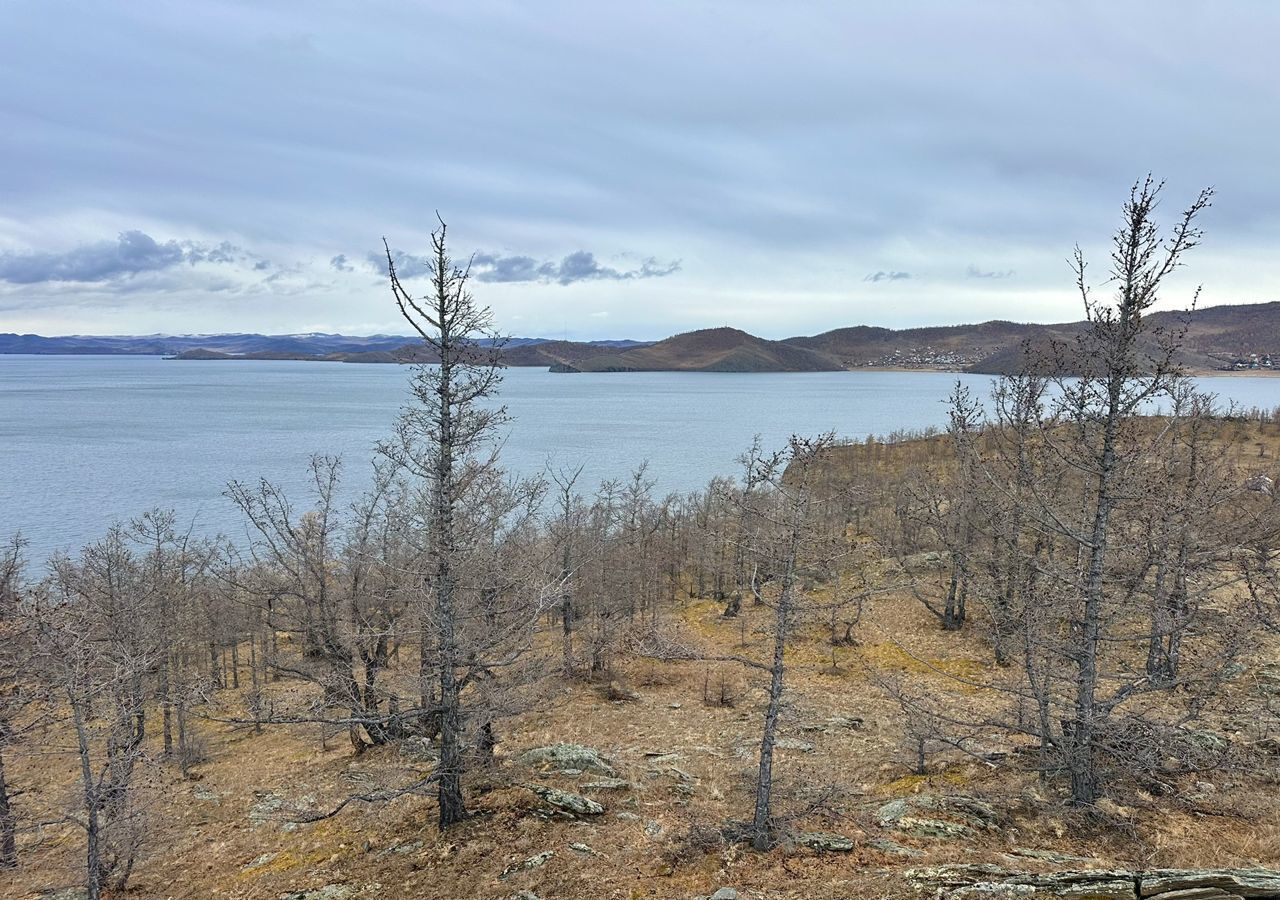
<point x="714" y="350"/>
<point x="1215" y="337"/>
<point x="953" y="346"/>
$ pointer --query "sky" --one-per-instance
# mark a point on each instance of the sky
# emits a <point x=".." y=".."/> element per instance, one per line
<point x="619" y="170"/>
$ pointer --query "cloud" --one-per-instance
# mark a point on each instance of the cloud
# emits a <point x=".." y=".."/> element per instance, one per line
<point x="975" y="272"/>
<point x="341" y="263"/>
<point x="581" y="265"/>
<point x="491" y="267"/>
<point x="132" y="253"/>
<point x="877" y="277"/>
<point x="407" y="265"/>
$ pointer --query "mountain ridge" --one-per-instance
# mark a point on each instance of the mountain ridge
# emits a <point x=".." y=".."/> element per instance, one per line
<point x="1214" y="338"/>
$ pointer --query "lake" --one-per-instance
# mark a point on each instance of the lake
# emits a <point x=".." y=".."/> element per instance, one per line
<point x="89" y="440"/>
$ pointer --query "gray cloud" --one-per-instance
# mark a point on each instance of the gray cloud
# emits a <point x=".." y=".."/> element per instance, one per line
<point x="579" y="266"/>
<point x="496" y="268"/>
<point x="780" y="144"/>
<point x="132" y="253"/>
<point x="407" y="264"/>
<point x="877" y="277"/>
<point x="975" y="272"/>
<point x="341" y="263"/>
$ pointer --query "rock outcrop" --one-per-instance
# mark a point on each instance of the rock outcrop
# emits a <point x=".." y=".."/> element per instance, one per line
<point x="572" y="757"/>
<point x="961" y="882"/>
<point x="938" y="817"/>
<point x="567" y="801"/>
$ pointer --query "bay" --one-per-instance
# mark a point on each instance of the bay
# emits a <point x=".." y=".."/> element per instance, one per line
<point x="86" y="441"/>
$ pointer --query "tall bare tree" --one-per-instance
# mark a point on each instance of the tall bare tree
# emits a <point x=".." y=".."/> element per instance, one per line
<point x="447" y="440"/>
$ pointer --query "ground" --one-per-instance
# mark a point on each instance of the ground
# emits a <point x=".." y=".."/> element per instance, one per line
<point x="685" y="740"/>
<point x="226" y="831"/>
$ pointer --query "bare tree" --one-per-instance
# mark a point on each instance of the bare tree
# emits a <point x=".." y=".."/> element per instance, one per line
<point x="791" y="542"/>
<point x="939" y="501"/>
<point x="93" y="631"/>
<point x="331" y="578"/>
<point x="566" y="533"/>
<point x="15" y="693"/>
<point x="1104" y="531"/>
<point x="447" y="441"/>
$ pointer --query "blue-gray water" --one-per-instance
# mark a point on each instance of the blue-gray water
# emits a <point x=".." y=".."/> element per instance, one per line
<point x="86" y="441"/>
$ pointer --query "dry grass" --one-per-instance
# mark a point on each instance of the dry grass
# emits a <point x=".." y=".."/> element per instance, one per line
<point x="201" y="848"/>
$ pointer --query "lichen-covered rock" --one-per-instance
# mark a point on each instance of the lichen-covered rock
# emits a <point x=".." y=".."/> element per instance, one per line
<point x="971" y="881"/>
<point x="288" y="815"/>
<point x="1085" y="885"/>
<point x="258" y="862"/>
<point x="265" y="807"/>
<point x="608" y="784"/>
<point x="939" y="829"/>
<point x="533" y="862"/>
<point x="725" y="893"/>
<point x="825" y="842"/>
<point x="402" y="849"/>
<point x="893" y="848"/>
<point x="204" y="795"/>
<point x="958" y="882"/>
<point x="1240" y="882"/>
<point x="888" y="814"/>
<point x="789" y="743"/>
<point x="950" y="817"/>
<point x="567" y="756"/>
<point x="566" y="800"/>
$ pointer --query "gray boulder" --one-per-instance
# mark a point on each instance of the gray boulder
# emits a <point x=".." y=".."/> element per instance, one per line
<point x="971" y="881"/>
<point x="1238" y="882"/>
<point x="825" y="842"/>
<point x="951" y="817"/>
<point x="536" y="861"/>
<point x="567" y="801"/>
<point x="789" y="743"/>
<point x="567" y="756"/>
<point x="893" y="848"/>
<point x="608" y="784"/>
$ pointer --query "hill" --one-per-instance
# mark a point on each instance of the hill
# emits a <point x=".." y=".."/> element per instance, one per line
<point x="312" y="344"/>
<point x="954" y="346"/>
<point x="248" y="346"/>
<point x="1215" y="338"/>
<point x="713" y="350"/>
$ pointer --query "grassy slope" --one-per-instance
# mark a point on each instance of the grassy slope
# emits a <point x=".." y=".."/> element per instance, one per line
<point x="200" y="847"/>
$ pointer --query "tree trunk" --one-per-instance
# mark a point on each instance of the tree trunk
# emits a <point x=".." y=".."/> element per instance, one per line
<point x="8" y="821"/>
<point x="92" y="804"/>
<point x="1084" y="783"/>
<point x="761" y="833"/>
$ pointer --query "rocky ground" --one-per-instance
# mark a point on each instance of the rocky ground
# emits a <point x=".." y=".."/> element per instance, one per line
<point x="634" y="792"/>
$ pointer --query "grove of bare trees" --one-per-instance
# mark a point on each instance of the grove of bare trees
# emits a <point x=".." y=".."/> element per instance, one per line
<point x="1090" y="522"/>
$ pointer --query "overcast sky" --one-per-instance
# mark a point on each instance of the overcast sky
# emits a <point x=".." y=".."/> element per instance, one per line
<point x="618" y="170"/>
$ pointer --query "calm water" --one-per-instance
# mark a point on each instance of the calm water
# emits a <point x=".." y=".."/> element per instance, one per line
<point x="86" y="441"/>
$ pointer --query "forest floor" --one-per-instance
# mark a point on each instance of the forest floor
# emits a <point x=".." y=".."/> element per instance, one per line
<point x="685" y="742"/>
<point x="228" y="830"/>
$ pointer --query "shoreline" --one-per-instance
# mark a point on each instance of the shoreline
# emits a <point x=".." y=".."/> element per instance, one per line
<point x="1194" y="372"/>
